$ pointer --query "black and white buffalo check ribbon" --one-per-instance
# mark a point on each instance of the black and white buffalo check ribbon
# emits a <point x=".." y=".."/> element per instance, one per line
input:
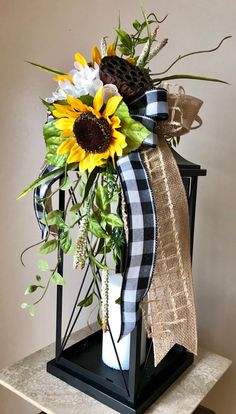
<point x="141" y="211"/>
<point x="39" y="195"/>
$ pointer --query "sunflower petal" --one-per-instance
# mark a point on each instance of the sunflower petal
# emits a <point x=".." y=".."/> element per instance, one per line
<point x="131" y="59"/>
<point x="91" y="161"/>
<point x="63" y="77"/>
<point x="115" y="122"/>
<point x="98" y="99"/>
<point x="64" y="111"/>
<point x="66" y="146"/>
<point x="77" y="104"/>
<point x="64" y="124"/>
<point x="66" y="134"/>
<point x="120" y="138"/>
<point x="112" y="105"/>
<point x="111" y="49"/>
<point x="80" y="59"/>
<point x="84" y="164"/>
<point x="77" y="154"/>
<point x="96" y="56"/>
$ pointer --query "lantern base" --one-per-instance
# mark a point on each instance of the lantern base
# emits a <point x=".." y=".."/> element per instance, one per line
<point x="81" y="366"/>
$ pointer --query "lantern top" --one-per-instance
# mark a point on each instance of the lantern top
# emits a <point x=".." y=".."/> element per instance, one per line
<point x="188" y="168"/>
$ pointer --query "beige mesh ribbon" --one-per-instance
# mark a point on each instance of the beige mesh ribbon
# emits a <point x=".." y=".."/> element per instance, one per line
<point x="169" y="309"/>
<point x="183" y="112"/>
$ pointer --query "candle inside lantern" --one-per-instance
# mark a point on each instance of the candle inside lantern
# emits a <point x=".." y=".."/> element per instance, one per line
<point x="123" y="346"/>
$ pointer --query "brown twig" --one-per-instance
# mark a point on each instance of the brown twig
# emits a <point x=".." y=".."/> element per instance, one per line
<point x="155" y="17"/>
<point x="190" y="54"/>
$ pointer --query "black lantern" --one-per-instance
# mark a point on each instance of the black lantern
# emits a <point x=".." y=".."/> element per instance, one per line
<point x="80" y="365"/>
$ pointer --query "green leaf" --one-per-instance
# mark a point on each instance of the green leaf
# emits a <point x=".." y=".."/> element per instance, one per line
<point x="86" y="301"/>
<point x="100" y="247"/>
<point x="66" y="183"/>
<point x="54" y="218"/>
<point x="102" y="198"/>
<point x="135" y="132"/>
<point x="195" y="77"/>
<point x="72" y="249"/>
<point x="124" y="38"/>
<point x="57" y="72"/>
<point x="58" y="279"/>
<point x="65" y="241"/>
<point x="124" y="50"/>
<point x="118" y="301"/>
<point x="136" y="25"/>
<point x="143" y="40"/>
<point x="49" y="106"/>
<point x="99" y="320"/>
<point x="31" y="310"/>
<point x="38" y="278"/>
<point x="74" y="217"/>
<point x="46" y="177"/>
<point x="96" y="229"/>
<point x="31" y="289"/>
<point x="89" y="184"/>
<point x="86" y="99"/>
<point x="82" y="184"/>
<point x="43" y="266"/>
<point x="76" y="207"/>
<point x="116" y="242"/>
<point x="53" y="141"/>
<point x="114" y="220"/>
<point x="48" y="247"/>
<point x="97" y="263"/>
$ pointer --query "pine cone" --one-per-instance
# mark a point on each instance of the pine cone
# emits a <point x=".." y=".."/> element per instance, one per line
<point x="130" y="80"/>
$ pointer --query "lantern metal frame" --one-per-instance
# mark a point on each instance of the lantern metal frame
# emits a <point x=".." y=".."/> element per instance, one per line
<point x="81" y="366"/>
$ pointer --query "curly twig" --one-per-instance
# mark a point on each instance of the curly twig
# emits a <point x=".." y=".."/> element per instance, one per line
<point x="155" y="17"/>
<point x="28" y="248"/>
<point x="190" y="54"/>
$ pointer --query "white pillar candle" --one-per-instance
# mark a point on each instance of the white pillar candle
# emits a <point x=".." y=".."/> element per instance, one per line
<point x="123" y="346"/>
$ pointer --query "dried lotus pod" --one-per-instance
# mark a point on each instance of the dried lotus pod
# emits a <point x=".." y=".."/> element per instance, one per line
<point x="130" y="80"/>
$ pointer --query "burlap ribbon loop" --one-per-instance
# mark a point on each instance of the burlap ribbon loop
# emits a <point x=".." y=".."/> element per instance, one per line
<point x="183" y="112"/>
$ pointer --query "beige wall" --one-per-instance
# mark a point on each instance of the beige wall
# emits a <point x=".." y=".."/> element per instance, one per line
<point x="49" y="32"/>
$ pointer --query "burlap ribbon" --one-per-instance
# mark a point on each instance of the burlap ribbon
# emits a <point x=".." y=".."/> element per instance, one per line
<point x="183" y="112"/>
<point x="169" y="309"/>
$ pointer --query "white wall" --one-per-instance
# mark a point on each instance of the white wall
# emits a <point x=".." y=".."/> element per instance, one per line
<point x="49" y="32"/>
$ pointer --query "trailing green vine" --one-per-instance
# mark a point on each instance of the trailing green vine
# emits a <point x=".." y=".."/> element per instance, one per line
<point x="100" y="231"/>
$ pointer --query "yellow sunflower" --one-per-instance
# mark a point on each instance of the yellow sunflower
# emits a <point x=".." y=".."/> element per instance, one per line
<point x="91" y="134"/>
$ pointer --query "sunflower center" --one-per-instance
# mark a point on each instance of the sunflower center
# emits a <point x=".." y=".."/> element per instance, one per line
<point x="92" y="134"/>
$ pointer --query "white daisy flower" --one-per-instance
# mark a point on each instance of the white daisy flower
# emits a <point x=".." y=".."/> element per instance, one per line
<point x="86" y="81"/>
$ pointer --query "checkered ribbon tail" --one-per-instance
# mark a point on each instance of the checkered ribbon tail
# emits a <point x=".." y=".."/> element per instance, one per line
<point x="39" y="195"/>
<point x="141" y="211"/>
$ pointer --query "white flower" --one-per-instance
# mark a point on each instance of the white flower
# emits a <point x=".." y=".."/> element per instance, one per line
<point x="109" y="90"/>
<point x="86" y="81"/>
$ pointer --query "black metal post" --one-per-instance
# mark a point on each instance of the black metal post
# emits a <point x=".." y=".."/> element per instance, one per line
<point x="59" y="288"/>
<point x="134" y="360"/>
<point x="192" y="208"/>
